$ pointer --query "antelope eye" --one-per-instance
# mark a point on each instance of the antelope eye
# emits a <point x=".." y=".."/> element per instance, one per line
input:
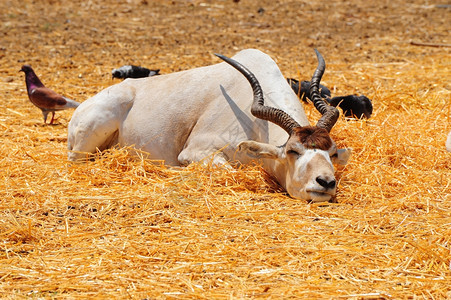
<point x="335" y="155"/>
<point x="293" y="152"/>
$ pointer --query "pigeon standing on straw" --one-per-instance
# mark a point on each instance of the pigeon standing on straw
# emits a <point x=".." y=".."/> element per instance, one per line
<point x="44" y="98"/>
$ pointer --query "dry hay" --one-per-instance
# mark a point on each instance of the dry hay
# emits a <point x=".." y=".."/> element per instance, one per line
<point x="124" y="227"/>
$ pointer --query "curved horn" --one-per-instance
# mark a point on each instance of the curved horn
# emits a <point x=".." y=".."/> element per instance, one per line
<point x="329" y="113"/>
<point x="258" y="109"/>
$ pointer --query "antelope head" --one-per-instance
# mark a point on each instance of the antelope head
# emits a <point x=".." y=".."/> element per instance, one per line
<point x="304" y="164"/>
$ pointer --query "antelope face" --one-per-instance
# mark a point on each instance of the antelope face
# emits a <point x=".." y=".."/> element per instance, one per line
<point x="309" y="157"/>
<point x="306" y="162"/>
<point x="310" y="173"/>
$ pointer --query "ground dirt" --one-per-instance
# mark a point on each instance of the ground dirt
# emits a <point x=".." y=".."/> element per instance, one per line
<point x="120" y="227"/>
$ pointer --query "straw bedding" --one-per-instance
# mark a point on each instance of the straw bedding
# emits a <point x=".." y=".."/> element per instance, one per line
<point x="128" y="228"/>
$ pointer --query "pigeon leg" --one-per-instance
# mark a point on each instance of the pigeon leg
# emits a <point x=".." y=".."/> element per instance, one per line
<point x="45" y="113"/>
<point x="53" y="117"/>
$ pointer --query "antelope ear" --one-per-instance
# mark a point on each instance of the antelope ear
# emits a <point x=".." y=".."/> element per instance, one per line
<point x="342" y="156"/>
<point x="260" y="150"/>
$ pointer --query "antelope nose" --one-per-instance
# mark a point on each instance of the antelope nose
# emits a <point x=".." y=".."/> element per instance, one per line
<point x="325" y="183"/>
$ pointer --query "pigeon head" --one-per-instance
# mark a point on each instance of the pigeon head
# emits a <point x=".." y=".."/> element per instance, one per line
<point x="26" y="69"/>
<point x="31" y="78"/>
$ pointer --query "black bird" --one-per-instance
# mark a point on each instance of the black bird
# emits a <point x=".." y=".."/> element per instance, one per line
<point x="130" y="71"/>
<point x="352" y="105"/>
<point x="303" y="90"/>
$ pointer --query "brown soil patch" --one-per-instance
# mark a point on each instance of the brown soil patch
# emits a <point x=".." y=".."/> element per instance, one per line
<point x="121" y="227"/>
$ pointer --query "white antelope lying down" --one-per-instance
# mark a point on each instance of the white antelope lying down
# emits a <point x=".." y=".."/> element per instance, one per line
<point x="208" y="112"/>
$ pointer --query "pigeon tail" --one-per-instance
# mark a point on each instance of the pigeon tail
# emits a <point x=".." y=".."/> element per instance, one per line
<point x="71" y="103"/>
